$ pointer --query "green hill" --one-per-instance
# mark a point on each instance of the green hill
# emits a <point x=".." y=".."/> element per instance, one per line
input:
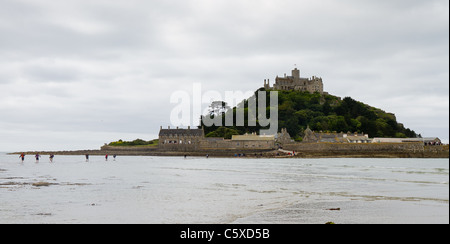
<point x="297" y="110"/>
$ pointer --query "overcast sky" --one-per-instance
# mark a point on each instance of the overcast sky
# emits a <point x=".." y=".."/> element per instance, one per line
<point x="76" y="74"/>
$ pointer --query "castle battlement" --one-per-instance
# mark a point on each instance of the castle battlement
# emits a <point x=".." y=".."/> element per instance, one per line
<point x="296" y="83"/>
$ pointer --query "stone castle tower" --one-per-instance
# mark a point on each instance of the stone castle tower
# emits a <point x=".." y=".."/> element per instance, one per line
<point x="297" y="83"/>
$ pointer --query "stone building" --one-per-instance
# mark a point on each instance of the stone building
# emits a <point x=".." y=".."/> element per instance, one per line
<point x="180" y="139"/>
<point x="191" y="140"/>
<point x="253" y="141"/>
<point x="297" y="83"/>
<point x="334" y="137"/>
<point x="283" y="137"/>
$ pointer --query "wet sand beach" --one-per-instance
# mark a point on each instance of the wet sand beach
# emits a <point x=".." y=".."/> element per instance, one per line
<point x="143" y="189"/>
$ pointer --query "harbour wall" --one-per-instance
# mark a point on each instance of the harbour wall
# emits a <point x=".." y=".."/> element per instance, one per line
<point x="394" y="150"/>
<point x="305" y="150"/>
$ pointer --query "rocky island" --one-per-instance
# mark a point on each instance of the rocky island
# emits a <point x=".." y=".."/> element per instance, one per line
<point x="312" y="123"/>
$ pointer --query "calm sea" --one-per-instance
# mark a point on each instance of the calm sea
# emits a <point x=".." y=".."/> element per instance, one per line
<point x="223" y="190"/>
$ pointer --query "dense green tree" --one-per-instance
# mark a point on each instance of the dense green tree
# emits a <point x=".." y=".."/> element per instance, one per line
<point x="321" y="112"/>
<point x="222" y="131"/>
<point x="137" y="142"/>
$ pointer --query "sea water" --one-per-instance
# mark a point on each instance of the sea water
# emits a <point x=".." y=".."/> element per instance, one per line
<point x="135" y="189"/>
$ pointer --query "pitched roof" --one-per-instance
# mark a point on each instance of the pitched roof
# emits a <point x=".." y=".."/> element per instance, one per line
<point x="181" y="132"/>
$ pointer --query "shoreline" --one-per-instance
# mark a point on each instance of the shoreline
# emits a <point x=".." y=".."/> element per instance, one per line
<point x="427" y="152"/>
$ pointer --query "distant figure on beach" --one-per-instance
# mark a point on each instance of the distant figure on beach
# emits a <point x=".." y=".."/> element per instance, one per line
<point x="37" y="157"/>
<point x="207" y="155"/>
<point x="114" y="157"/>
<point x="22" y="156"/>
<point x="87" y="157"/>
<point x="106" y="157"/>
<point x="185" y="156"/>
<point x="51" y="158"/>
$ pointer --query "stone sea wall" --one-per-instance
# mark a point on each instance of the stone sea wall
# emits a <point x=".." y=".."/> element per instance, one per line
<point x="305" y="150"/>
<point x="402" y="150"/>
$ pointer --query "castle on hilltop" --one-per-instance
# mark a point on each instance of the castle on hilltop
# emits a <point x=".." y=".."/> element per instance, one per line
<point x="296" y="83"/>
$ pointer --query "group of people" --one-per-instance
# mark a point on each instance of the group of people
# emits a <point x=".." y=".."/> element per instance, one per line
<point x="433" y="143"/>
<point x="106" y="157"/>
<point x="37" y="157"/>
<point x="52" y="156"/>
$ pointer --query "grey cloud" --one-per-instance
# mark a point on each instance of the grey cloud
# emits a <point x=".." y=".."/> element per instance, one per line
<point x="51" y="73"/>
<point x="73" y="64"/>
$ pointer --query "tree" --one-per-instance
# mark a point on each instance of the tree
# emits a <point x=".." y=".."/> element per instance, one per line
<point x="298" y="109"/>
<point x="326" y="108"/>
<point x="224" y="132"/>
<point x="338" y="123"/>
<point x="218" y="108"/>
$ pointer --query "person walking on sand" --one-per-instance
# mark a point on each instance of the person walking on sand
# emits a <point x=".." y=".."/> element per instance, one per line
<point x="22" y="156"/>
<point x="114" y="157"/>
<point x="37" y="157"/>
<point x="87" y="157"/>
<point x="51" y="158"/>
<point x="106" y="157"/>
